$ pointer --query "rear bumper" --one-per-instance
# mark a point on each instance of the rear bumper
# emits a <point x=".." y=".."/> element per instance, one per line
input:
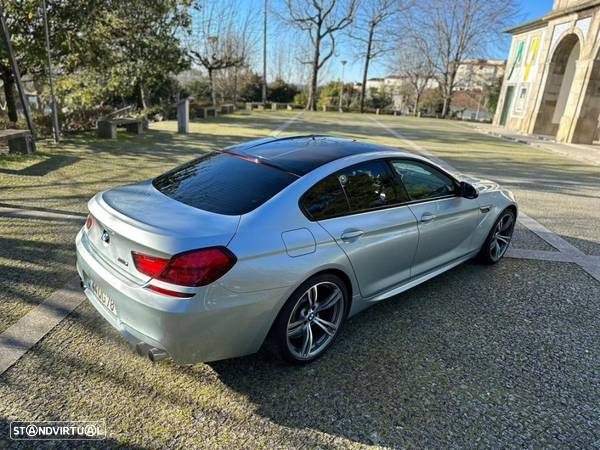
<point x="214" y="324"/>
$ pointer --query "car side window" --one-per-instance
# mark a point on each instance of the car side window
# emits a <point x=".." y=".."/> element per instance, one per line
<point x="370" y="185"/>
<point x="422" y="181"/>
<point x="325" y="199"/>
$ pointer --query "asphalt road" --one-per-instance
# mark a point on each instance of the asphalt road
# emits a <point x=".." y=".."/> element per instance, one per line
<point x="500" y="356"/>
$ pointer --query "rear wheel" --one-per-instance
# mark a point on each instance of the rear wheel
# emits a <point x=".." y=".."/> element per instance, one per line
<point x="311" y="319"/>
<point x="497" y="242"/>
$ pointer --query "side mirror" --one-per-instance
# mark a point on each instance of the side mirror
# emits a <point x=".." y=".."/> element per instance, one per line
<point x="467" y="190"/>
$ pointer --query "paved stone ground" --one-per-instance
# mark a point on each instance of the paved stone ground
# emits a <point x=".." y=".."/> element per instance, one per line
<point x="499" y="356"/>
<point x="589" y="154"/>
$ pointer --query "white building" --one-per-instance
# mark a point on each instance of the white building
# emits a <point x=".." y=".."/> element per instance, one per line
<point x="479" y="74"/>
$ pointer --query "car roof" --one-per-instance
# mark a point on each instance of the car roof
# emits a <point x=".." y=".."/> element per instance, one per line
<point x="300" y="155"/>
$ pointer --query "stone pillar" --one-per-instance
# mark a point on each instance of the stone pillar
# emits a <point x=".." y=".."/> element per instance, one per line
<point x="183" y="116"/>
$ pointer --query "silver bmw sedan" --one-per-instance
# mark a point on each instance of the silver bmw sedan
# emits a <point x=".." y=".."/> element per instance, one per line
<point x="278" y="241"/>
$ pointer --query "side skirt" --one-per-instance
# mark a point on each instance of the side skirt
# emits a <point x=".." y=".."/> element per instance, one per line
<point x="421" y="279"/>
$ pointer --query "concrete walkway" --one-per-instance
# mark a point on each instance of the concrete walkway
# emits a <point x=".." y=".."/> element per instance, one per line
<point x="588" y="154"/>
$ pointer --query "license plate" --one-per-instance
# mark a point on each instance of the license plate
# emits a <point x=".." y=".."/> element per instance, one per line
<point x="102" y="297"/>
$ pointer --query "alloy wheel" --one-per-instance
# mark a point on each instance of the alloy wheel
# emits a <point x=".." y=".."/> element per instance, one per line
<point x="502" y="235"/>
<point x="315" y="320"/>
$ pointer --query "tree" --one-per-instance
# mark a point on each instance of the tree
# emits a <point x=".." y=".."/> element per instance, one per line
<point x="379" y="98"/>
<point x="251" y="87"/>
<point x="280" y="91"/>
<point x="142" y="44"/>
<point x="26" y="29"/>
<point x="372" y="30"/>
<point x="321" y="20"/>
<point x="119" y="48"/>
<point x="415" y="69"/>
<point x="447" y="31"/>
<point x="493" y="94"/>
<point x="220" y="39"/>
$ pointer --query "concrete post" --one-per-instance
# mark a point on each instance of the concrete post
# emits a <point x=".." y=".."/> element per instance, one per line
<point x="183" y="116"/>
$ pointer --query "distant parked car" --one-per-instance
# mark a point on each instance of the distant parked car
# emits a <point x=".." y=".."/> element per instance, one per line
<point x="279" y="239"/>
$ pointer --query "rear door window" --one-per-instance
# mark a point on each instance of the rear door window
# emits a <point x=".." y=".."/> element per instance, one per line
<point x="370" y="185"/>
<point x="223" y="184"/>
<point x="325" y="199"/>
<point x="362" y="187"/>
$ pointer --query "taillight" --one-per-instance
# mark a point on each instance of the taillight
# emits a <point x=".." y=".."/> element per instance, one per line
<point x="149" y="265"/>
<point x="89" y="222"/>
<point x="193" y="268"/>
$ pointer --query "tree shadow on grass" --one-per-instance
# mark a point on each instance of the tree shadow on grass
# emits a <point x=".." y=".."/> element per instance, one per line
<point x="44" y="167"/>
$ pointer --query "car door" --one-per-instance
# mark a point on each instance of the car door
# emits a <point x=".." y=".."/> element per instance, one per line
<point x="364" y="210"/>
<point x="446" y="221"/>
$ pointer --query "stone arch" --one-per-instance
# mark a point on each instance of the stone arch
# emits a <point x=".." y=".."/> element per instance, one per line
<point x="559" y="78"/>
<point x="587" y="125"/>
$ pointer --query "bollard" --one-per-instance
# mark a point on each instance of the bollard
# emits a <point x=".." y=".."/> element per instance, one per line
<point x="183" y="116"/>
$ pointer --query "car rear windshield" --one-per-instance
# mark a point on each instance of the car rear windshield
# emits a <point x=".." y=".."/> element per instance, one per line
<point x="223" y="184"/>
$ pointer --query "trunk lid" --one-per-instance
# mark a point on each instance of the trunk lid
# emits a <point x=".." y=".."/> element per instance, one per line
<point x="140" y="218"/>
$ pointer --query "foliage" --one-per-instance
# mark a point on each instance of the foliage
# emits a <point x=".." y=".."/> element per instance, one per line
<point x="378" y="99"/>
<point x="432" y="101"/>
<point x="251" y="88"/>
<point x="103" y="51"/>
<point x="199" y="89"/>
<point x="280" y="91"/>
<point x="329" y="95"/>
<point x="301" y="99"/>
<point x="493" y="94"/>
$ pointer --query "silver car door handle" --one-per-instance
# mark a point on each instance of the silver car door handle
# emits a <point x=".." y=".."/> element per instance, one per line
<point x="427" y="217"/>
<point x="351" y="235"/>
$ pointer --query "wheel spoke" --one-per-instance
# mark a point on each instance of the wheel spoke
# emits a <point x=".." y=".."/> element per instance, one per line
<point x="506" y="222"/>
<point x="505" y="239"/>
<point x="311" y="295"/>
<point x="497" y="249"/>
<point x="327" y="327"/>
<point x="308" y="340"/>
<point x="329" y="301"/>
<point x="294" y="329"/>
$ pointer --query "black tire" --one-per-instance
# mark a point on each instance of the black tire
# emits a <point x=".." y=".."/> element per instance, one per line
<point x="498" y="240"/>
<point x="297" y="308"/>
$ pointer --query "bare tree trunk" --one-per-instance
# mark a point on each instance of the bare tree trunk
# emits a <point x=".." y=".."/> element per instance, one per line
<point x="235" y="85"/>
<point x="9" y="94"/>
<point x="312" y="93"/>
<point x="213" y="94"/>
<point x="363" y="88"/>
<point x="448" y="91"/>
<point x="141" y="100"/>
<point x="417" y="101"/>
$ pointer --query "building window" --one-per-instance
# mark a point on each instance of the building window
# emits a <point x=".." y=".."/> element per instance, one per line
<point x="521" y="98"/>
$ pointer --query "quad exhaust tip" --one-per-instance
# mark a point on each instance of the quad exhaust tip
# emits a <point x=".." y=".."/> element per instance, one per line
<point x="152" y="353"/>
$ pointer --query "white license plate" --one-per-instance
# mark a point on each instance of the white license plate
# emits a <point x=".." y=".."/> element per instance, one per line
<point x="102" y="297"/>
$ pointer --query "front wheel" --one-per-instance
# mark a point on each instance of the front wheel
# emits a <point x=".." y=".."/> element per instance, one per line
<point x="497" y="242"/>
<point x="311" y="319"/>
